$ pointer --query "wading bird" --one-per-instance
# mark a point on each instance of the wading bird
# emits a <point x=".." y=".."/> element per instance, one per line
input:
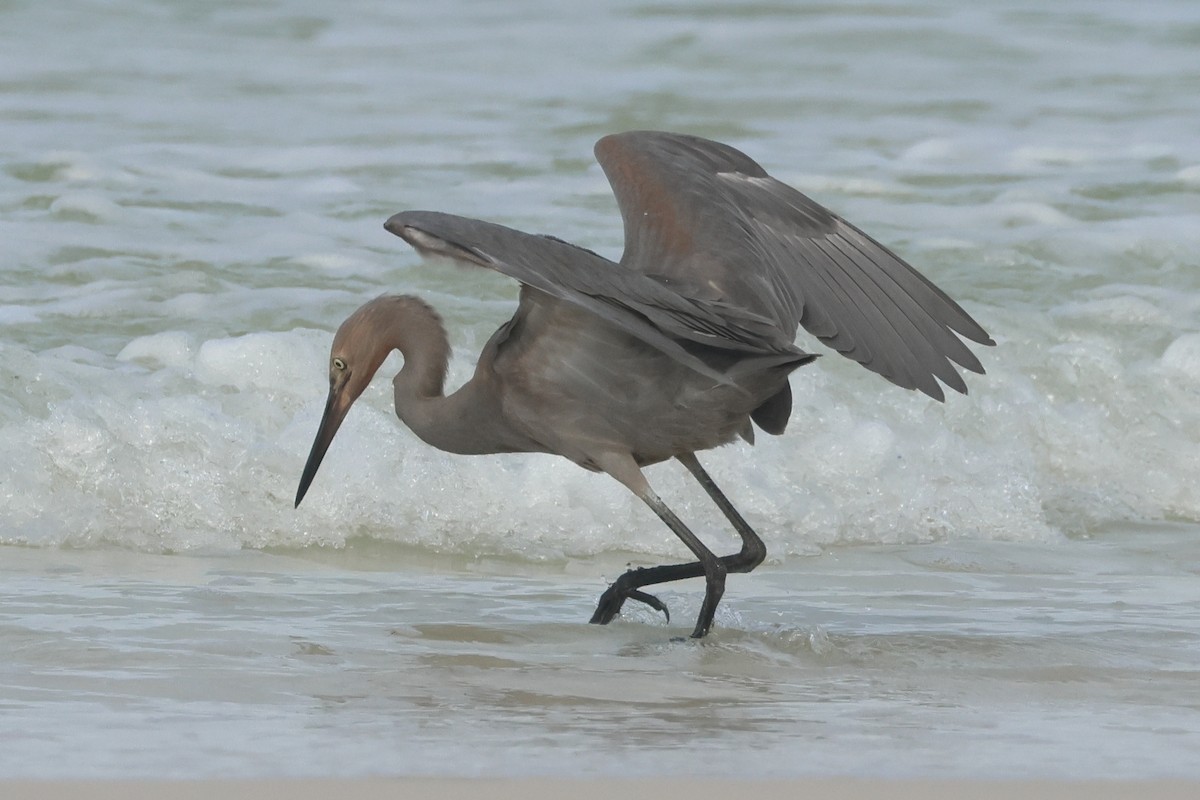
<point x="684" y="345"/>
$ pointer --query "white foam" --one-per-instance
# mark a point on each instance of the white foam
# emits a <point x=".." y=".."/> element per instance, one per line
<point x="824" y="184"/>
<point x="1119" y="310"/>
<point x="1182" y="356"/>
<point x="18" y="315"/>
<point x="87" y="206"/>
<point x="73" y="166"/>
<point x="168" y="349"/>
<point x="938" y="150"/>
<point x="176" y="445"/>
<point x="1189" y="174"/>
<point x="250" y="362"/>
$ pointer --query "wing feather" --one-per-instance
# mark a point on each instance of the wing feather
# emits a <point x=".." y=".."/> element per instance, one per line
<point x="637" y="303"/>
<point x="708" y="219"/>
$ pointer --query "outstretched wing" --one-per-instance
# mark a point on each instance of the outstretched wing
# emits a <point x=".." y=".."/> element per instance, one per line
<point x="633" y="301"/>
<point x="707" y="219"/>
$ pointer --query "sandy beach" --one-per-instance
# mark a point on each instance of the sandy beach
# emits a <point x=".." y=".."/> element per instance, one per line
<point x="599" y="789"/>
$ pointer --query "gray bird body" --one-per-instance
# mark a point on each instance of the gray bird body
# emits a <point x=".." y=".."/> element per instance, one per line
<point x="561" y="369"/>
<point x="683" y="346"/>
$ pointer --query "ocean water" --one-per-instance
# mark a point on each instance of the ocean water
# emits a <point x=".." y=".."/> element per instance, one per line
<point x="192" y="198"/>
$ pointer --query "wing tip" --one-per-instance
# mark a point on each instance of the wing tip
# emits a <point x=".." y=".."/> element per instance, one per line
<point x="972" y="331"/>
<point x="611" y="148"/>
<point x="396" y="223"/>
<point x="935" y="392"/>
<point x="431" y="244"/>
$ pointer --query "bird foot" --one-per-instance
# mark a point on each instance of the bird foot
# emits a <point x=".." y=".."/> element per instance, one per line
<point x="652" y="601"/>
<point x="615" y="596"/>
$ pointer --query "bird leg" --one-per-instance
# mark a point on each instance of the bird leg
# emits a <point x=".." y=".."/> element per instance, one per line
<point x="628" y="586"/>
<point x="625" y="469"/>
<point x="753" y="550"/>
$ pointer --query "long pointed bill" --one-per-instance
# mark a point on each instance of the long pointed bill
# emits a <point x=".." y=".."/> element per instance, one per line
<point x="336" y="406"/>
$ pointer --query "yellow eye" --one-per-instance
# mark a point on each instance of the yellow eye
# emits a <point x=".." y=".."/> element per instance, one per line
<point x="338" y="364"/>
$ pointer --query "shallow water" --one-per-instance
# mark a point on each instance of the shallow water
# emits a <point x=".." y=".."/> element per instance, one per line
<point x="863" y="661"/>
<point x="191" y="199"/>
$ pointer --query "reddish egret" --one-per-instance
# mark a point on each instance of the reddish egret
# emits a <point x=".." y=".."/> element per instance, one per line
<point x="684" y="345"/>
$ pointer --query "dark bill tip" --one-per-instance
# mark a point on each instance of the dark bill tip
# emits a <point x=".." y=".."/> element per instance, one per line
<point x="331" y="420"/>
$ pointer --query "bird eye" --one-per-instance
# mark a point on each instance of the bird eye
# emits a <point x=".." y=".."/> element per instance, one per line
<point x="338" y="364"/>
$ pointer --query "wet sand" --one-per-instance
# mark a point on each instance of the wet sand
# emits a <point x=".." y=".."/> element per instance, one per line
<point x="598" y="789"/>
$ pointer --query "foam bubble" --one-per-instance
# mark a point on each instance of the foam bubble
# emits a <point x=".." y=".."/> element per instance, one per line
<point x="937" y="150"/>
<point x="1182" y="356"/>
<point x="1121" y="310"/>
<point x="1189" y="174"/>
<point x="168" y="349"/>
<point x="253" y="361"/>
<point x="70" y="165"/>
<point x="86" y="207"/>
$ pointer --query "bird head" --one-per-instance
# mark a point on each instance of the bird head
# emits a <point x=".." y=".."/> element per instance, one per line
<point x="359" y="348"/>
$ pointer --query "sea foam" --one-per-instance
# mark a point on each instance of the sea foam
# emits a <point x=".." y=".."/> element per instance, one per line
<point x="181" y="445"/>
